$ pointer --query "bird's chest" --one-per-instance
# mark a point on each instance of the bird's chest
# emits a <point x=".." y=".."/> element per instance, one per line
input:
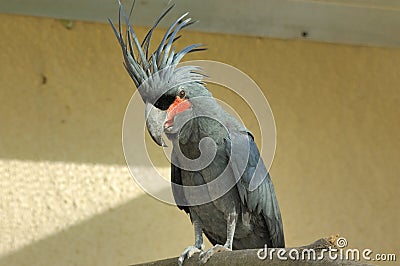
<point x="209" y="168"/>
<point x="220" y="191"/>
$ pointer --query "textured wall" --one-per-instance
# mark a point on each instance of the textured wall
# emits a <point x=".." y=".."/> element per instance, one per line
<point x="67" y="197"/>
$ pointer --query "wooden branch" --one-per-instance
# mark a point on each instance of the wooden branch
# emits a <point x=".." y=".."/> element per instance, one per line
<point x="250" y="257"/>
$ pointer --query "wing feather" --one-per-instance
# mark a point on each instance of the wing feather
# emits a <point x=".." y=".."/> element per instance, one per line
<point x="262" y="199"/>
<point x="177" y="192"/>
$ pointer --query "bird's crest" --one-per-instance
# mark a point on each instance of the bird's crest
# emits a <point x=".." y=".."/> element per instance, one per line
<point x="156" y="73"/>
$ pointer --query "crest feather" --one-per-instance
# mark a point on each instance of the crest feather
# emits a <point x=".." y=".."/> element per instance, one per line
<point x="156" y="73"/>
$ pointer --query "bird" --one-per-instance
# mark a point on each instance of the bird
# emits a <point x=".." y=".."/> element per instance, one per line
<point x="218" y="177"/>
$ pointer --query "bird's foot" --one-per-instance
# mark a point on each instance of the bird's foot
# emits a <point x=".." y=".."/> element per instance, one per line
<point x="187" y="253"/>
<point x="205" y="256"/>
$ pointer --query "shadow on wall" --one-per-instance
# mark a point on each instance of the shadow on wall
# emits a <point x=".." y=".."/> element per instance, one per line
<point x="119" y="236"/>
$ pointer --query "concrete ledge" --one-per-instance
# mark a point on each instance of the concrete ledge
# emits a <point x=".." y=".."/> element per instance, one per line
<point x="352" y="22"/>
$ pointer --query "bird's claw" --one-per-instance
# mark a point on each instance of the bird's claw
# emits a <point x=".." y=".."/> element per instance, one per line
<point x="205" y="256"/>
<point x="187" y="253"/>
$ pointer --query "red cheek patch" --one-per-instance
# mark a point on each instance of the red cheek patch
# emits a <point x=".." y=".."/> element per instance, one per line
<point x="178" y="106"/>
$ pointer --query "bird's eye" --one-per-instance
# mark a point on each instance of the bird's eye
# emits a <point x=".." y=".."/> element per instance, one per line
<point x="182" y="94"/>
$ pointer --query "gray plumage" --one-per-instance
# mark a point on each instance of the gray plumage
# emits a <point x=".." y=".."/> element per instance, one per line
<point x="244" y="217"/>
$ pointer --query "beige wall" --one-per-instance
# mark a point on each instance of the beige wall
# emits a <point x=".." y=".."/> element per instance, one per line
<point x="67" y="197"/>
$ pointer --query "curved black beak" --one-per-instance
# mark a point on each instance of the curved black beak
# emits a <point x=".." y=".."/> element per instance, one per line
<point x="155" y="119"/>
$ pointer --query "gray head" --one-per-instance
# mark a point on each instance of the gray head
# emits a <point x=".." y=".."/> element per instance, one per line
<point x="165" y="88"/>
